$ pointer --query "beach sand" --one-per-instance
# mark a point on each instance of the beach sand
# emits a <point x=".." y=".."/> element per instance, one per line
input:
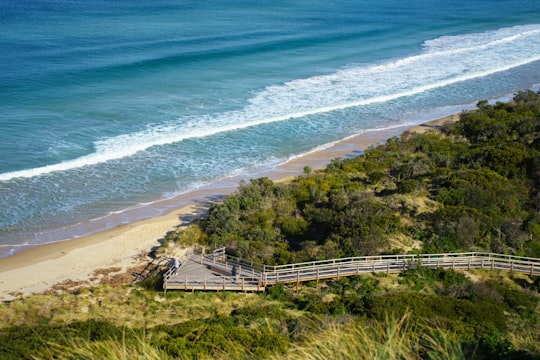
<point x="125" y="250"/>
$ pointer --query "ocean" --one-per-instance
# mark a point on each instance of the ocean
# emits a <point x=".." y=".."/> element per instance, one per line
<point x="109" y="106"/>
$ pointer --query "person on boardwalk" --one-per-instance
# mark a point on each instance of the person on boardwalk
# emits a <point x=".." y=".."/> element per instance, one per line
<point x="235" y="273"/>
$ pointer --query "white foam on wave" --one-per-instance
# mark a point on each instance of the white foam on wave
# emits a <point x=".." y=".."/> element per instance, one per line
<point x="444" y="61"/>
<point x="337" y="142"/>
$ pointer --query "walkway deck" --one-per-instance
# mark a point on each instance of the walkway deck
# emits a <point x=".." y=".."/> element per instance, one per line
<point x="212" y="273"/>
<point x="217" y="271"/>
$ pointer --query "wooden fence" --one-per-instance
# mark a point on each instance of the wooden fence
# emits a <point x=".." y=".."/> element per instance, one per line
<point x="255" y="277"/>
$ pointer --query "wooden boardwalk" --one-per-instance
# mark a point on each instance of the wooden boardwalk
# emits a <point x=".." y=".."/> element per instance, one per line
<point x="218" y="272"/>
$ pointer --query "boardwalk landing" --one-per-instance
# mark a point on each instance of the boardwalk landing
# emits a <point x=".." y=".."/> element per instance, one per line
<point x="218" y="271"/>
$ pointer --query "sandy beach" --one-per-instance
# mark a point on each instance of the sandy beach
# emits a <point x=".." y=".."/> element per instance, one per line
<point x="123" y="251"/>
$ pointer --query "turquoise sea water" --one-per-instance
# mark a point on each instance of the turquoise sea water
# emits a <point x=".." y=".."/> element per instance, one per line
<point x="111" y="105"/>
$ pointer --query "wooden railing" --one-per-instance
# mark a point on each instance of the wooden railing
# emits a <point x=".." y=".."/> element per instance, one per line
<point x="223" y="283"/>
<point x="336" y="268"/>
<point x="172" y="269"/>
<point x="256" y="276"/>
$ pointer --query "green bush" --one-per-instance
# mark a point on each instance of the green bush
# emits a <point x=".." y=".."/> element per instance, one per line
<point x="26" y="342"/>
<point x="470" y="320"/>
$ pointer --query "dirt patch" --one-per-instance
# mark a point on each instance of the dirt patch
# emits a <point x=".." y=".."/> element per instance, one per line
<point x="68" y="285"/>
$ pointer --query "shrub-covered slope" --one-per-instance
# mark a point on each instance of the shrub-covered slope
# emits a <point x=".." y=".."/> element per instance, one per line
<point x="471" y="186"/>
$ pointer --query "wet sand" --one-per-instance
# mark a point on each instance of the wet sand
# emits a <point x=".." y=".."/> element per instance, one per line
<point x="38" y="269"/>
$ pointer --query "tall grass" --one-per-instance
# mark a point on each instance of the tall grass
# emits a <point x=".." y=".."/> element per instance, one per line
<point x="526" y="341"/>
<point x="121" y="306"/>
<point x="139" y="348"/>
<point x="395" y="338"/>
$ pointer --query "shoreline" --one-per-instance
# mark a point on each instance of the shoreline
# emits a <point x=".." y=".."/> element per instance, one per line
<point x="39" y="268"/>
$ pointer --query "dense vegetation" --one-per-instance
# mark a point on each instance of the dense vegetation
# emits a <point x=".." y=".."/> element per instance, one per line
<point x="471" y="186"/>
<point x="474" y="186"/>
<point x="421" y="313"/>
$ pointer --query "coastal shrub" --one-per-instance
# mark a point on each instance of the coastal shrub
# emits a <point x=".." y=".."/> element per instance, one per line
<point x="497" y="345"/>
<point x="248" y="314"/>
<point x="192" y="234"/>
<point x="469" y="320"/>
<point x="408" y="186"/>
<point x="28" y="342"/>
<point x="153" y="282"/>
<point x="519" y="300"/>
<point x="221" y="337"/>
<point x="279" y="292"/>
<point x="444" y="282"/>
<point x="350" y="295"/>
<point x="316" y="303"/>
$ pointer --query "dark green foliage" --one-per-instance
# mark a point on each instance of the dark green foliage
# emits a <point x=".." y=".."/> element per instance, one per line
<point x="248" y="333"/>
<point x="485" y="173"/>
<point x="496" y="345"/>
<point x="279" y="292"/>
<point x="408" y="185"/>
<point x="26" y="342"/>
<point x="469" y="319"/>
<point x="154" y="281"/>
<point x="444" y="282"/>
<point x="245" y="334"/>
<point x="519" y="300"/>
<point x="270" y="223"/>
<point x="348" y="295"/>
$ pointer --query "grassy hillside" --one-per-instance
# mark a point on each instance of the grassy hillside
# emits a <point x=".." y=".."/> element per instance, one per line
<point x="472" y="186"/>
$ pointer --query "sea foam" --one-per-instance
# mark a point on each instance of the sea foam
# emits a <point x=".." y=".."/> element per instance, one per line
<point x="442" y="62"/>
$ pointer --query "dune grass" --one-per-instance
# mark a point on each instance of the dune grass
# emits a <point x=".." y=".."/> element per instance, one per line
<point x="120" y="305"/>
<point x="394" y="338"/>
